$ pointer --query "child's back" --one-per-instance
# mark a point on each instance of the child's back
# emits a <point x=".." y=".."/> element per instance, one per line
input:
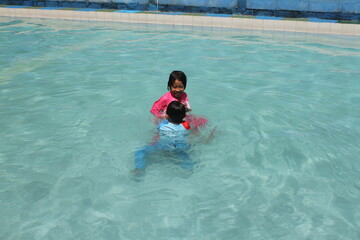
<point x="173" y="134"/>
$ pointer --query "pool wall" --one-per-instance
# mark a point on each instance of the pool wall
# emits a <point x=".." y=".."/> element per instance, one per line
<point x="327" y="9"/>
<point x="203" y="20"/>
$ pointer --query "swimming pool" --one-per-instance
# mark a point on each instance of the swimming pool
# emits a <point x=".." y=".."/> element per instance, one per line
<point x="74" y="104"/>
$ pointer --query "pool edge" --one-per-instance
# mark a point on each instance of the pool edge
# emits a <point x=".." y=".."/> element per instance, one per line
<point x="181" y="19"/>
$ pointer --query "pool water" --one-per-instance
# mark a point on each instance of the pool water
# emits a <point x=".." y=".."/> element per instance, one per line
<point x="74" y="107"/>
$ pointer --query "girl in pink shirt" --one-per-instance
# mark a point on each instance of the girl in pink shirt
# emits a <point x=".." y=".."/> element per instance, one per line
<point x="176" y="87"/>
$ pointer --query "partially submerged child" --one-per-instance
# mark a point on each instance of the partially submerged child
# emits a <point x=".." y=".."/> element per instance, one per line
<point x="176" y="86"/>
<point x="173" y="137"/>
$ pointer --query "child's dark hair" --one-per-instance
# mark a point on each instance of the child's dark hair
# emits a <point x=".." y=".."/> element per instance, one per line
<point x="177" y="75"/>
<point x="176" y="112"/>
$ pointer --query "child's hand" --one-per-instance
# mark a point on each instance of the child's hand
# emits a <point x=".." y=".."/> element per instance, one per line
<point x="162" y="117"/>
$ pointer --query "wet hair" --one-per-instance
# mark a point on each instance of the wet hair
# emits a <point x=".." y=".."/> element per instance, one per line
<point x="176" y="112"/>
<point x="176" y="75"/>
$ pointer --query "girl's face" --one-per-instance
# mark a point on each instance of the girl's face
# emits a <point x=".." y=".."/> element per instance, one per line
<point x="177" y="88"/>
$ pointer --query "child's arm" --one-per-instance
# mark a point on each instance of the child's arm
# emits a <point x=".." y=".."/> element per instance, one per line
<point x="187" y="104"/>
<point x="187" y="107"/>
<point x="157" y="109"/>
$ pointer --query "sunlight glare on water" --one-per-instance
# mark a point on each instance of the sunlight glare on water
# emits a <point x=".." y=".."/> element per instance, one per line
<point x="74" y="107"/>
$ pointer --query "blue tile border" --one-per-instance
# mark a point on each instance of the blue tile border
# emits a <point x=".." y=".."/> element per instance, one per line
<point x="269" y="18"/>
<point x="87" y="9"/>
<point x="127" y="11"/>
<point x="217" y="15"/>
<point x="170" y="13"/>
<point x="51" y="8"/>
<point x="318" y="20"/>
<point x="13" y="6"/>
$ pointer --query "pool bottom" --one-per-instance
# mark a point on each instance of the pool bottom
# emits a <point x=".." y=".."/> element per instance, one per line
<point x="75" y="99"/>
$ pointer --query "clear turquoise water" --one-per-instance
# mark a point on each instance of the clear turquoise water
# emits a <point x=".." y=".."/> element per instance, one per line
<point x="74" y="102"/>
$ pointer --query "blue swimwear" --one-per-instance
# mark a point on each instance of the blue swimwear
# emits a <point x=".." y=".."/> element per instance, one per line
<point x="172" y="138"/>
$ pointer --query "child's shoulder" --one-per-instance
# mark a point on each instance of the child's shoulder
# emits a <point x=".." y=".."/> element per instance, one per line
<point x="166" y="96"/>
<point x="163" y="122"/>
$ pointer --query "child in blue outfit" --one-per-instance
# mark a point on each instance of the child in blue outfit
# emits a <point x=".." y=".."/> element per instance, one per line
<point x="173" y="135"/>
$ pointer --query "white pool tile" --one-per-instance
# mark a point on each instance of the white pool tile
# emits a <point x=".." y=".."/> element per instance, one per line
<point x="80" y="15"/>
<point x="348" y="29"/>
<point x="151" y="18"/>
<point x="169" y="19"/>
<point x="9" y="12"/>
<point x="335" y="28"/>
<point x="92" y="16"/>
<point x="108" y="17"/>
<point x="237" y="22"/>
<point x="258" y="24"/>
<point x="4" y="12"/>
<point x="179" y="20"/>
<point x="119" y="17"/>
<point x="160" y="19"/>
<point x="357" y="30"/>
<point x="324" y="28"/>
<point x="227" y="22"/>
<point x="125" y="17"/>
<point x="13" y="12"/>
<point x="31" y="14"/>
<point x="207" y="21"/>
<point x="84" y="16"/>
<point x="269" y="24"/>
<point x="21" y="12"/>
<point x="98" y="16"/>
<point x="313" y="27"/>
<point x="215" y="22"/>
<point x="133" y="18"/>
<point x="246" y="23"/>
<point x="69" y="15"/>
<point x="46" y="14"/>
<point x="60" y="14"/>
<point x="198" y="21"/>
<point x="142" y="18"/>
<point x="290" y="26"/>
<point x="302" y="26"/>
<point x="188" y="20"/>
<point x="279" y="26"/>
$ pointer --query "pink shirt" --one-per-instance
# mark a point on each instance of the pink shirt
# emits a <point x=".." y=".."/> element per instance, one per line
<point x="159" y="107"/>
